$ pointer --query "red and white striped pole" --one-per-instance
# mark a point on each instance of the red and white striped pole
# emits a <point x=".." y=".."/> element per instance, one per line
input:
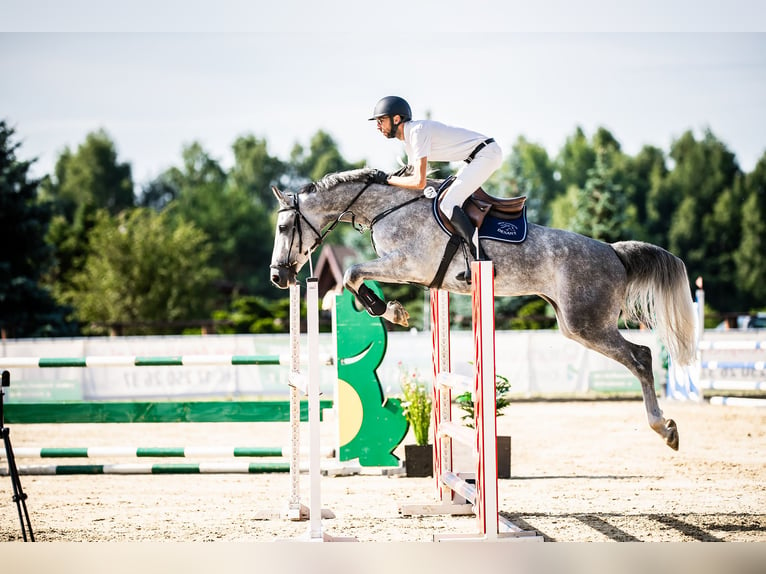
<point x="483" y="300"/>
<point x="442" y="396"/>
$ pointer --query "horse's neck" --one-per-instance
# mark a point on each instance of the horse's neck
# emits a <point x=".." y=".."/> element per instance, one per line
<point x="327" y="205"/>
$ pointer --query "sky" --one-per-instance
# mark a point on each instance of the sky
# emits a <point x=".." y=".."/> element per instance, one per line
<point x="156" y="79"/>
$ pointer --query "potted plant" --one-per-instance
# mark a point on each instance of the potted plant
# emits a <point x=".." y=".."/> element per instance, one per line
<point x="416" y="404"/>
<point x="502" y="400"/>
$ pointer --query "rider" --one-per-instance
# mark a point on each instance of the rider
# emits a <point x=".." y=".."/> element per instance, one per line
<point x="428" y="139"/>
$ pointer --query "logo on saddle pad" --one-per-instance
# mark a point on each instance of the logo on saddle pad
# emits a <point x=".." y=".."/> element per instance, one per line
<point x="509" y="230"/>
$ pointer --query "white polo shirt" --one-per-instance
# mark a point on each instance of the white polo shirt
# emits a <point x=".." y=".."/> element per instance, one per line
<point x="438" y="141"/>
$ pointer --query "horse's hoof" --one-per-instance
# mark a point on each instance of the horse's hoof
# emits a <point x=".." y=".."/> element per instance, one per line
<point x="671" y="438"/>
<point x="399" y="313"/>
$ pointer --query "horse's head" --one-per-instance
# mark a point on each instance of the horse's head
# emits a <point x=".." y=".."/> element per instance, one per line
<point x="291" y="252"/>
<point x="303" y="215"/>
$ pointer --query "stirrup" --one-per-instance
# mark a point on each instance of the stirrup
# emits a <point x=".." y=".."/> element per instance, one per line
<point x="466" y="275"/>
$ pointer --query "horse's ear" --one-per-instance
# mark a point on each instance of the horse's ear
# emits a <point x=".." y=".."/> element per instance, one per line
<point x="278" y="194"/>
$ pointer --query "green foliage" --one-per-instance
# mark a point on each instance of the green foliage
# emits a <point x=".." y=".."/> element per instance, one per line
<point x="704" y="172"/>
<point x="255" y="171"/>
<point x="158" y="193"/>
<point x="416" y="403"/>
<point x="528" y="171"/>
<point x="575" y="159"/>
<point x="27" y="308"/>
<point x="502" y="399"/>
<point x="228" y="211"/>
<point x="143" y="267"/>
<point x="91" y="176"/>
<point x="563" y="208"/>
<point x="250" y="314"/>
<point x="84" y="182"/>
<point x="711" y="321"/>
<point x="639" y="176"/>
<point x="600" y="206"/>
<point x="536" y="314"/>
<point x="321" y="158"/>
<point x="69" y="239"/>
<point x="750" y="257"/>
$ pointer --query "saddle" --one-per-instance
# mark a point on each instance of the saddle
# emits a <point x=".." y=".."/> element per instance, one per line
<point x="481" y="204"/>
<point x="478" y="206"/>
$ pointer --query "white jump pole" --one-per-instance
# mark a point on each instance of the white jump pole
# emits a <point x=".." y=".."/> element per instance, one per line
<point x="440" y="356"/>
<point x="315" y="531"/>
<point x="295" y="510"/>
<point x="312" y="322"/>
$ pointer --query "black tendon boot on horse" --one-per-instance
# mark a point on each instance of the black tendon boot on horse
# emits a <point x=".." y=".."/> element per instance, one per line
<point x="466" y="229"/>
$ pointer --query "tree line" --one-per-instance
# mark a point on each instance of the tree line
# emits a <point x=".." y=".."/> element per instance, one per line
<point x="86" y="251"/>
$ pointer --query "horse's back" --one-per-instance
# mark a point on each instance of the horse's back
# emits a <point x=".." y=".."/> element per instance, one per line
<point x="555" y="263"/>
<point x="557" y="248"/>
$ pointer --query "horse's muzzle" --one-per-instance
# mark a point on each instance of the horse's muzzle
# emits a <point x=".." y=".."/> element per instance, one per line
<point x="282" y="277"/>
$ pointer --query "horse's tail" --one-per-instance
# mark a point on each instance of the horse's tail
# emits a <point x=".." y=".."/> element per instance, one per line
<point x="659" y="296"/>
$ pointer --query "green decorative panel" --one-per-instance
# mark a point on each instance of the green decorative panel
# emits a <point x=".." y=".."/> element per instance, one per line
<point x="370" y="425"/>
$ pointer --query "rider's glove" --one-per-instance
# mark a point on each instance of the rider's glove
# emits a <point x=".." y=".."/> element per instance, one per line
<point x="379" y="176"/>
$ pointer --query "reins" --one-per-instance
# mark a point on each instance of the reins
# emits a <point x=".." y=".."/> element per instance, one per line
<point x="388" y="212"/>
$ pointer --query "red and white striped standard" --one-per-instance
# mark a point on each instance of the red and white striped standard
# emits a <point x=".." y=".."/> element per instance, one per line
<point x="483" y="301"/>
<point x="442" y="396"/>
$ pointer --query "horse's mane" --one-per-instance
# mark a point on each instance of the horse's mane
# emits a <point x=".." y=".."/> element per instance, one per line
<point x="332" y="179"/>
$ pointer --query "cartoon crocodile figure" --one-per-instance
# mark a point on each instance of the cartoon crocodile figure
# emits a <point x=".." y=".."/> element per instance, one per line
<point x="371" y="426"/>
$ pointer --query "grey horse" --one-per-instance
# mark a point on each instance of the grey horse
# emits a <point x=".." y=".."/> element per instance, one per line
<point x="587" y="282"/>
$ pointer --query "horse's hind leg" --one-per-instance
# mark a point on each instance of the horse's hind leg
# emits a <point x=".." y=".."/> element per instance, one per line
<point x="638" y="359"/>
<point x="639" y="362"/>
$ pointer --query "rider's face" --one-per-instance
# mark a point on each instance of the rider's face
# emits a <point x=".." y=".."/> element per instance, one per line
<point x="382" y="124"/>
<point x="386" y="125"/>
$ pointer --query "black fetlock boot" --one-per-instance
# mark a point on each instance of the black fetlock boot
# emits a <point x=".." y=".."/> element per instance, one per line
<point x="466" y="229"/>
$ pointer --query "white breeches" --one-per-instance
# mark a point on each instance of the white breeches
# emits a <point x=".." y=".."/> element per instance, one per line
<point x="471" y="176"/>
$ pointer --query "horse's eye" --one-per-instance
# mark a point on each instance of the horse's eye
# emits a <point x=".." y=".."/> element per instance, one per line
<point x="282" y="228"/>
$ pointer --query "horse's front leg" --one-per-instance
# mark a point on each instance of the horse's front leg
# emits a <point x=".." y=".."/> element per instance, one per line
<point x="377" y="270"/>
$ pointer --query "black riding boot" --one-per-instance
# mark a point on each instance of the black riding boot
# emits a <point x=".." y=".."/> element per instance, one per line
<point x="466" y="229"/>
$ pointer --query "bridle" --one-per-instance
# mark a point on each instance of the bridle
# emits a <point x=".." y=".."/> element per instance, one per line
<point x="319" y="235"/>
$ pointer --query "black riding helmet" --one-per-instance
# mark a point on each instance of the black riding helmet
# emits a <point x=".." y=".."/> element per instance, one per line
<point x="392" y="106"/>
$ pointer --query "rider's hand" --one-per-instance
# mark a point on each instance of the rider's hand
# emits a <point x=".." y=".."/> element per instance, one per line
<point x="379" y="176"/>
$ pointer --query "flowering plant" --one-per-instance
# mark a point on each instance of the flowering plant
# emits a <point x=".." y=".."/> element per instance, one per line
<point x="416" y="404"/>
